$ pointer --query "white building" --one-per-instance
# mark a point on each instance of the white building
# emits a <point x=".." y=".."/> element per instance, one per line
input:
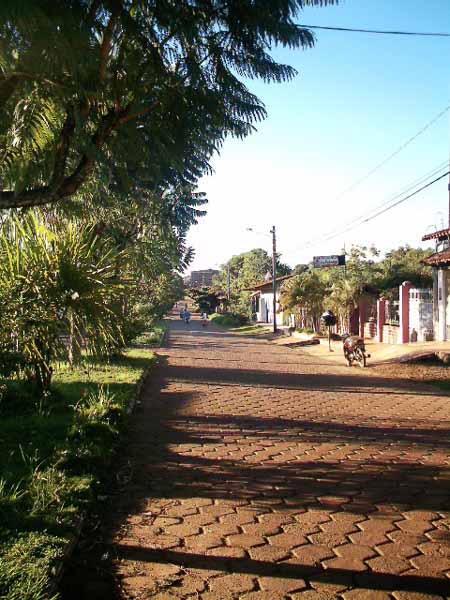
<point x="262" y="300"/>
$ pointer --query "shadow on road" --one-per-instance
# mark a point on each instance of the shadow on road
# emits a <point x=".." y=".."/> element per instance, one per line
<point x="357" y="466"/>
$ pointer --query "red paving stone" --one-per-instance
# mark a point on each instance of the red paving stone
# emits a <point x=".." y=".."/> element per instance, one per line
<point x="262" y="472"/>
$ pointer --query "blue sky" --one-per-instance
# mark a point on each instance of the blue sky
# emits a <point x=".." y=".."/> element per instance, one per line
<point x="357" y="98"/>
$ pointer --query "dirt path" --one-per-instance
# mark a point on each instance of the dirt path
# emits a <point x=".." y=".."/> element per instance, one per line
<point x="262" y="473"/>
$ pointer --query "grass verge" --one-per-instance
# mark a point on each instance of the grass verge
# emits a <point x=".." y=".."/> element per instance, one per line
<point x="251" y="330"/>
<point x="54" y="455"/>
<point x="235" y="323"/>
<point x="153" y="337"/>
<point x="228" y="320"/>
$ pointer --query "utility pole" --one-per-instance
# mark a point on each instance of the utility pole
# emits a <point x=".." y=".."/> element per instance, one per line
<point x="228" y="284"/>
<point x="274" y="277"/>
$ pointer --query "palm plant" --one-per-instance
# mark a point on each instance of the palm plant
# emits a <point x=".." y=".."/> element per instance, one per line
<point x="304" y="296"/>
<point x="59" y="285"/>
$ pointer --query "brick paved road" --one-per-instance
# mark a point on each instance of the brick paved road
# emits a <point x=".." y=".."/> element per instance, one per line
<point x="262" y="473"/>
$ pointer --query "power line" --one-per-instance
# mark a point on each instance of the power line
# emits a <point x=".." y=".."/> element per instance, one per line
<point x="381" y="208"/>
<point x="424" y="187"/>
<point x="377" y="31"/>
<point x="380" y="212"/>
<point x="378" y="167"/>
<point x="395" y="153"/>
<point x="363" y="220"/>
<point x="363" y="216"/>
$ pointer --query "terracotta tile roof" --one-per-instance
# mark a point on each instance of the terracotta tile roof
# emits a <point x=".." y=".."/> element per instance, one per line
<point x="438" y="258"/>
<point x="443" y="234"/>
<point x="259" y="286"/>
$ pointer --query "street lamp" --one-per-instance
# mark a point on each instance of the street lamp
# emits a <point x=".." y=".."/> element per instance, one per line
<point x="274" y="272"/>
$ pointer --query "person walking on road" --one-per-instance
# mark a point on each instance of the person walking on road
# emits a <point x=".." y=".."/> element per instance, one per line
<point x="204" y="319"/>
<point x="186" y="316"/>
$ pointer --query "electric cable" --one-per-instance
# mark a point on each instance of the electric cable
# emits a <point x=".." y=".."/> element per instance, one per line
<point x="403" y="191"/>
<point x="377" y="31"/>
<point x="388" y="158"/>
<point x="424" y="187"/>
<point x="383" y="210"/>
<point x="395" y="153"/>
<point x="356" y="221"/>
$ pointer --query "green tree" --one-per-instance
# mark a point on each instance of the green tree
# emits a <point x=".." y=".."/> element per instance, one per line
<point x="205" y="299"/>
<point x="246" y="270"/>
<point x="150" y="87"/>
<point x="151" y="226"/>
<point x="347" y="286"/>
<point x="404" y="264"/>
<point x="303" y="295"/>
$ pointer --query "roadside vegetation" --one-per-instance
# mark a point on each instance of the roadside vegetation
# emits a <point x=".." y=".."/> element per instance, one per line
<point x="228" y="320"/>
<point x="56" y="450"/>
<point x="240" y="273"/>
<point x="309" y="292"/>
<point x="312" y="291"/>
<point x="152" y="337"/>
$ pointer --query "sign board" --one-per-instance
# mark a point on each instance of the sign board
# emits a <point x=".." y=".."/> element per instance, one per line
<point x="335" y="260"/>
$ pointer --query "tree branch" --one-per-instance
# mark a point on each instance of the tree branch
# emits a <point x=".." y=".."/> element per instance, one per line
<point x="73" y="182"/>
<point x="62" y="149"/>
<point x="106" y="45"/>
<point x="28" y="198"/>
<point x="68" y="185"/>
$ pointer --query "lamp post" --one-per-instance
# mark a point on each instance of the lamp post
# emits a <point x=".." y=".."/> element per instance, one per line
<point x="274" y="273"/>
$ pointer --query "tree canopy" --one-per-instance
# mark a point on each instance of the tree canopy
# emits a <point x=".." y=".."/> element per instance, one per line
<point x="246" y="270"/>
<point x="145" y="89"/>
<point x="312" y="291"/>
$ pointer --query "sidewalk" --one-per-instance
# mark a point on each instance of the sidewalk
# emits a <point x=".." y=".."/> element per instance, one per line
<point x="380" y="353"/>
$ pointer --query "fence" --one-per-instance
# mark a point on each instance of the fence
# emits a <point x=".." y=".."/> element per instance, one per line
<point x="408" y="320"/>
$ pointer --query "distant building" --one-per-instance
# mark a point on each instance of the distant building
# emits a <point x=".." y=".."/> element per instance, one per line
<point x="199" y="279"/>
<point x="262" y="300"/>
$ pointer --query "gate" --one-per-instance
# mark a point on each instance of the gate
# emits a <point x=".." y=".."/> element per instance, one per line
<point x="420" y="315"/>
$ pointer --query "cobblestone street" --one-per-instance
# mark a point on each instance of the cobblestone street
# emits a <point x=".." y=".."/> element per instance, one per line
<point x="262" y="473"/>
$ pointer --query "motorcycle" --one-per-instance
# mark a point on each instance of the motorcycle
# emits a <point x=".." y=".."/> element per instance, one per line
<point x="354" y="350"/>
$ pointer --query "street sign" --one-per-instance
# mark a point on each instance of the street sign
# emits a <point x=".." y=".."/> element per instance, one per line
<point x="334" y="260"/>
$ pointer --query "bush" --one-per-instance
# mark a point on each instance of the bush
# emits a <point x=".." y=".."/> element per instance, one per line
<point x="153" y="335"/>
<point x="229" y="320"/>
<point x="95" y="430"/>
<point x="58" y="289"/>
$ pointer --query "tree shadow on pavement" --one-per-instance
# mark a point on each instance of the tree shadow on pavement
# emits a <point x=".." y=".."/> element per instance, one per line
<point x="329" y="383"/>
<point x="362" y="580"/>
<point x="358" y="469"/>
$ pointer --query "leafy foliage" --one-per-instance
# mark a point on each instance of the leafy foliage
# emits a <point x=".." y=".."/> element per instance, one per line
<point x="59" y="286"/>
<point x="151" y="87"/>
<point x="404" y="264"/>
<point x="229" y="320"/>
<point x="303" y="295"/>
<point x="310" y="292"/>
<point x="51" y="465"/>
<point x="246" y="270"/>
<point x="206" y="300"/>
